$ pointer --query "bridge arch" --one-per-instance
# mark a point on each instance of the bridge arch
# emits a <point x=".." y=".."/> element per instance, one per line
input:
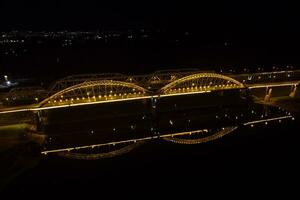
<point x="201" y="82"/>
<point x="80" y="78"/>
<point x="93" y="91"/>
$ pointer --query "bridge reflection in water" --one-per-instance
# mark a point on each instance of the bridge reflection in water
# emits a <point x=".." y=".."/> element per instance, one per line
<point x="105" y="130"/>
<point x="104" y="118"/>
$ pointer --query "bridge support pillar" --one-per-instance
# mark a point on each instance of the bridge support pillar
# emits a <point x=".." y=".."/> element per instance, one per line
<point x="154" y="101"/>
<point x="39" y="120"/>
<point x="268" y="94"/>
<point x="293" y="91"/>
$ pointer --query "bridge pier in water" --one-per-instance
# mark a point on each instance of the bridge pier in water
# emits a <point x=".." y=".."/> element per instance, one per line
<point x="39" y="120"/>
<point x="268" y="94"/>
<point x="293" y="91"/>
<point x="154" y="101"/>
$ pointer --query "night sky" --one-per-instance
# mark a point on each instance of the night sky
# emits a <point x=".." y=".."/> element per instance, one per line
<point x="92" y="15"/>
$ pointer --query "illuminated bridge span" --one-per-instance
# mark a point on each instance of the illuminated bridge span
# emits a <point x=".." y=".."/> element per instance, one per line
<point x="102" y="90"/>
<point x="111" y="91"/>
<point x="167" y="81"/>
<point x="149" y="81"/>
<point x="160" y="78"/>
<point x="264" y="77"/>
<point x="201" y="82"/>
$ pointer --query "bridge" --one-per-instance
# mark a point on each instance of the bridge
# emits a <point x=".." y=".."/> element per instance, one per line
<point x="86" y="90"/>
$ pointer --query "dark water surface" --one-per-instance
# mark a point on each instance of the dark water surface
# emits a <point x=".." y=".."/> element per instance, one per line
<point x="264" y="156"/>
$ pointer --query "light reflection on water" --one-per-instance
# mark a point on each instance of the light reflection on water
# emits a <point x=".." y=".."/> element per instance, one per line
<point x="23" y="161"/>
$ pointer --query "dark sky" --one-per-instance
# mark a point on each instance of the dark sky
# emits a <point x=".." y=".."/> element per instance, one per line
<point x="88" y="14"/>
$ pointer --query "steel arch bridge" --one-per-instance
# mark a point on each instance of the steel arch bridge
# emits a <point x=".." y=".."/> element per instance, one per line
<point x="95" y="91"/>
<point x="114" y="90"/>
<point x="201" y="82"/>
<point x="147" y="81"/>
<point x="80" y="78"/>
